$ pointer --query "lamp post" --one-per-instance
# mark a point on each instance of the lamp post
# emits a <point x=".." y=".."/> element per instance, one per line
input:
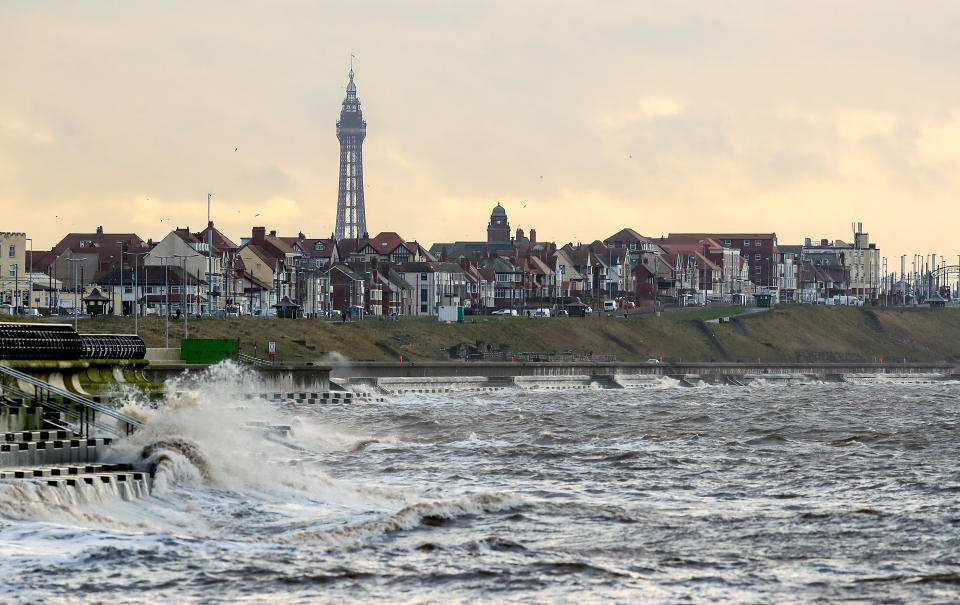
<point x="166" y="305"/>
<point x="16" y="289"/>
<point x="183" y="291"/>
<point x="30" y="272"/>
<point x="76" y="304"/>
<point x="210" y="258"/>
<point x="136" y="296"/>
<point x="122" y="252"/>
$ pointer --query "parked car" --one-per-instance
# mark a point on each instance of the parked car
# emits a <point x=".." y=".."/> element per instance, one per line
<point x="653" y="361"/>
<point x="504" y="312"/>
<point x="30" y="312"/>
<point x="265" y="313"/>
<point x="563" y="313"/>
<point x="629" y="304"/>
<point x="609" y="305"/>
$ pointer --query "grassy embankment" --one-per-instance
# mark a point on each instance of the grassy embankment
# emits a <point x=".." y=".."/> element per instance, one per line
<point x="784" y="334"/>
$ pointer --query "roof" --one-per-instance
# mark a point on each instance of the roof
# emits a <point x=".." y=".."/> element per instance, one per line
<point x="579" y="255"/>
<point x="692" y="239"/>
<point x="308" y="245"/>
<point x="268" y="259"/>
<point x="790" y="249"/>
<point x="724" y="235"/>
<point x="499" y="265"/>
<point x="98" y="239"/>
<point x="285" y="302"/>
<point x="95" y="296"/>
<point x="627" y="235"/>
<point x="476" y="249"/>
<point x="538" y="266"/>
<point x="346" y="271"/>
<point x="498" y="210"/>
<point x="220" y="241"/>
<point x="40" y="260"/>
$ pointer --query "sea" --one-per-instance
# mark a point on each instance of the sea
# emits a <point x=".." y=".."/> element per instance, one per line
<point x="769" y="493"/>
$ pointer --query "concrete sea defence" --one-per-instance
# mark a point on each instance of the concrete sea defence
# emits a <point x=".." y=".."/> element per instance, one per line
<point x="445" y="376"/>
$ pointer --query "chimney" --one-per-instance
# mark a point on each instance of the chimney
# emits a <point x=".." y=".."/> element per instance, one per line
<point x="533" y="236"/>
<point x="519" y="234"/>
<point x="273" y="233"/>
<point x="300" y="236"/>
<point x="824" y="242"/>
<point x="100" y="230"/>
<point x="258" y="235"/>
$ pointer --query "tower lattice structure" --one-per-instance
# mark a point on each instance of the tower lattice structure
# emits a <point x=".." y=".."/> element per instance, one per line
<point x="351" y="130"/>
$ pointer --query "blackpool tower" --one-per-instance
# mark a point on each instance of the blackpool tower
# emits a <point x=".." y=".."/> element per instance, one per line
<point x="351" y="130"/>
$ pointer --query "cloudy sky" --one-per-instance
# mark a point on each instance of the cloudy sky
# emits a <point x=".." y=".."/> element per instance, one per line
<point x="581" y="118"/>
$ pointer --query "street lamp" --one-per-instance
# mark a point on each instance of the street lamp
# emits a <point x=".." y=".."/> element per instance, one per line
<point x="30" y="274"/>
<point x="136" y="296"/>
<point x="183" y="290"/>
<point x="16" y="288"/>
<point x="76" y="305"/>
<point x="166" y="305"/>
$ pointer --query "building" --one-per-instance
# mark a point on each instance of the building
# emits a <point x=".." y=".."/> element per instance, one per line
<point x="498" y="230"/>
<point x="854" y="265"/>
<point x="192" y="251"/>
<point x="386" y="247"/>
<point x="721" y="268"/>
<point x="498" y="242"/>
<point x="433" y="284"/>
<point x="13" y="285"/>
<point x="82" y="257"/>
<point x="351" y="130"/>
<point x="347" y="290"/>
<point x="758" y="251"/>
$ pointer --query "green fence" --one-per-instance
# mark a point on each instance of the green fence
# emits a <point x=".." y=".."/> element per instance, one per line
<point x="209" y="350"/>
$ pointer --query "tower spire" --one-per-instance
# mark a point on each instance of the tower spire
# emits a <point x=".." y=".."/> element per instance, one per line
<point x="351" y="130"/>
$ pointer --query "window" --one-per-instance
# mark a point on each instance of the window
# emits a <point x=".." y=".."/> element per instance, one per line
<point x="756" y="257"/>
<point x="423" y="277"/>
<point x="13" y="250"/>
<point x="756" y="242"/>
<point x="746" y="243"/>
<point x="726" y="242"/>
<point x="13" y="270"/>
<point x="318" y="246"/>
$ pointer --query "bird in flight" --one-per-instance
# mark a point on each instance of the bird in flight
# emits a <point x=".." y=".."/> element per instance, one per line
<point x="257" y="214"/>
<point x="235" y="148"/>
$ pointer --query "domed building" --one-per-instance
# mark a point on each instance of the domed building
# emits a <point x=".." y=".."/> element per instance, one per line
<point x="498" y="230"/>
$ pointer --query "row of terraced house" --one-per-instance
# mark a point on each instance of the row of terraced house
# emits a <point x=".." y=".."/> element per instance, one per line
<point x="206" y="272"/>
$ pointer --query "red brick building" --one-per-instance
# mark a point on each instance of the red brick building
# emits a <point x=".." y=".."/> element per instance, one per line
<point x="758" y="250"/>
